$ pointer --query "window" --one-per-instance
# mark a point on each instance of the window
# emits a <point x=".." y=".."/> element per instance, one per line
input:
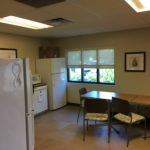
<point x="89" y="57"/>
<point x="74" y="58"/>
<point x="91" y="66"/>
<point x="106" y="75"/>
<point x="90" y="75"/>
<point x="106" y="65"/>
<point x="74" y="74"/>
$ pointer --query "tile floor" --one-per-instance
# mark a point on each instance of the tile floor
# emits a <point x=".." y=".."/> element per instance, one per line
<point x="58" y="130"/>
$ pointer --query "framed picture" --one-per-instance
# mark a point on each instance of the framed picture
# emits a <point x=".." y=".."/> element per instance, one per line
<point x="135" y="62"/>
<point x="7" y="53"/>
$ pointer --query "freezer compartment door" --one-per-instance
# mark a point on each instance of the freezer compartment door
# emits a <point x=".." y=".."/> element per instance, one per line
<point x="58" y="65"/>
<point x="58" y="91"/>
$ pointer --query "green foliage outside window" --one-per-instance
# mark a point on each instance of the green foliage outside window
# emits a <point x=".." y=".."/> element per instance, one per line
<point x="106" y="75"/>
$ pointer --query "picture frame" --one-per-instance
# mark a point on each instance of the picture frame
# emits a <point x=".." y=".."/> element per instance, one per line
<point x="135" y="61"/>
<point x="8" y="53"/>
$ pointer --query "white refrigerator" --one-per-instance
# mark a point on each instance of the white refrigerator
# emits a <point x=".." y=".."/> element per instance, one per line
<point x="53" y="73"/>
<point x="16" y="111"/>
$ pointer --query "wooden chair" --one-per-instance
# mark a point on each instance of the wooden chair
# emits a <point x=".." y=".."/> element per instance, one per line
<point x="95" y="110"/>
<point x="81" y="92"/>
<point x="120" y="110"/>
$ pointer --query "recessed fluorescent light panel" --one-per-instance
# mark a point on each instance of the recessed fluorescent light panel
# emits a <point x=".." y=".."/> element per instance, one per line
<point x="24" y="23"/>
<point x="139" y="5"/>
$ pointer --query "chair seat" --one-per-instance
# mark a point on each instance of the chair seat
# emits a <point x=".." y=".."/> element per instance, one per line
<point x="96" y="116"/>
<point x="127" y="119"/>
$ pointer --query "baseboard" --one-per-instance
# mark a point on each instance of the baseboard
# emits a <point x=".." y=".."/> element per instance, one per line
<point x="41" y="113"/>
<point x="73" y="104"/>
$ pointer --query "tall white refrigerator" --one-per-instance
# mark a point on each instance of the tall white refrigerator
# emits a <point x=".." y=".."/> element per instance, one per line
<point x="53" y="73"/>
<point x="16" y="111"/>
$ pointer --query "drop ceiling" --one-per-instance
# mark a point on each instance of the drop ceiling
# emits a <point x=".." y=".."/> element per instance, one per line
<point x="85" y="17"/>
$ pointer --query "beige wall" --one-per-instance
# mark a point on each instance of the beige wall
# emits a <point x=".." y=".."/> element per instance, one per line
<point x="123" y="41"/>
<point x="26" y="46"/>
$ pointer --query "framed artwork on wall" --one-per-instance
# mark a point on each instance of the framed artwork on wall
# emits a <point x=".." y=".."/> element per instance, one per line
<point x="8" y="53"/>
<point x="135" y="61"/>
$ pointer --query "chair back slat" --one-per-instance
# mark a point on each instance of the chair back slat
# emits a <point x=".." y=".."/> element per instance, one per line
<point x="120" y="106"/>
<point x="95" y="106"/>
<point x="81" y="92"/>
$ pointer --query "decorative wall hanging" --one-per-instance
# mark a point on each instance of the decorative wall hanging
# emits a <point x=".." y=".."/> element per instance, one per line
<point x="7" y="53"/>
<point x="135" y="61"/>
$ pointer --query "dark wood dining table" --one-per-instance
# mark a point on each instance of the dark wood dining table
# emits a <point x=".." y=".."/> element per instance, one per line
<point x="139" y="104"/>
<point x="108" y="96"/>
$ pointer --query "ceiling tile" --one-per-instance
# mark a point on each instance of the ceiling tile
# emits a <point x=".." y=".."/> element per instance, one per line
<point x="88" y="17"/>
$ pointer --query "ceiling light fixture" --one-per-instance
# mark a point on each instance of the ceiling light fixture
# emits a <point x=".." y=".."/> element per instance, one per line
<point x="139" y="5"/>
<point x="13" y="20"/>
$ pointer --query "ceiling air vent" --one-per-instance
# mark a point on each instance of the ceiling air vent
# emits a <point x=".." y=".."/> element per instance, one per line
<point x="39" y="3"/>
<point x="57" y="21"/>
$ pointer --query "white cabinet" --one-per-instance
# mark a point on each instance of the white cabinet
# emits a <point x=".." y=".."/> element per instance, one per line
<point x="40" y="99"/>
